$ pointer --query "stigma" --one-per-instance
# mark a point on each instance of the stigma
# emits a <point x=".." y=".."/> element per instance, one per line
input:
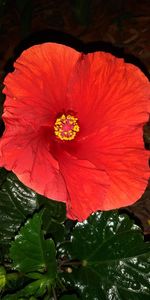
<point x="66" y="127"/>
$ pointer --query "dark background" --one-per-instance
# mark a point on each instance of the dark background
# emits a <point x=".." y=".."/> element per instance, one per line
<point x="121" y="27"/>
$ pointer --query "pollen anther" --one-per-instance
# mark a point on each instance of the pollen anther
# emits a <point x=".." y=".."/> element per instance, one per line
<point x="66" y="127"/>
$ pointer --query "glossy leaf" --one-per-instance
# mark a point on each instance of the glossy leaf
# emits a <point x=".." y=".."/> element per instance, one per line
<point x="54" y="210"/>
<point x="54" y="214"/>
<point x="3" y="175"/>
<point x="36" y="288"/>
<point x="30" y="252"/>
<point x="15" y="281"/>
<point x="107" y="258"/>
<point x="69" y="297"/>
<point x="56" y="230"/>
<point x="16" y="203"/>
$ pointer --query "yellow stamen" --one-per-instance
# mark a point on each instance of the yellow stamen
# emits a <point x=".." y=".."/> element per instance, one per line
<point x="66" y="127"/>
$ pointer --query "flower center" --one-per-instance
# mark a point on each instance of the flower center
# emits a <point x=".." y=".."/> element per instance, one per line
<point x="66" y="127"/>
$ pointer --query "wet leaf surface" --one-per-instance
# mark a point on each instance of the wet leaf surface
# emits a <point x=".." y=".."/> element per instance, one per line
<point x="16" y="203"/>
<point x="108" y="259"/>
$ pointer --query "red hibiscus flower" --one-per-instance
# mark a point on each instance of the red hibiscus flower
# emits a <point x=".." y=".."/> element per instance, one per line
<point x="74" y="128"/>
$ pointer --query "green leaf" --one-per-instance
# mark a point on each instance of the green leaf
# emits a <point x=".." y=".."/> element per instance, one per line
<point x="2" y="278"/>
<point x="3" y="175"/>
<point x="15" y="281"/>
<point x="54" y="210"/>
<point x="54" y="215"/>
<point x="36" y="288"/>
<point x="107" y="259"/>
<point x="16" y="203"/>
<point x="34" y="257"/>
<point x="69" y="297"/>
<point x="30" y="252"/>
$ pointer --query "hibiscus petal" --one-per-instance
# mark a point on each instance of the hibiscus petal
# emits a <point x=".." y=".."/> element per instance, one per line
<point x="28" y="156"/>
<point x="86" y="185"/>
<point x="121" y="153"/>
<point x="105" y="166"/>
<point x="105" y="90"/>
<point x="32" y="89"/>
